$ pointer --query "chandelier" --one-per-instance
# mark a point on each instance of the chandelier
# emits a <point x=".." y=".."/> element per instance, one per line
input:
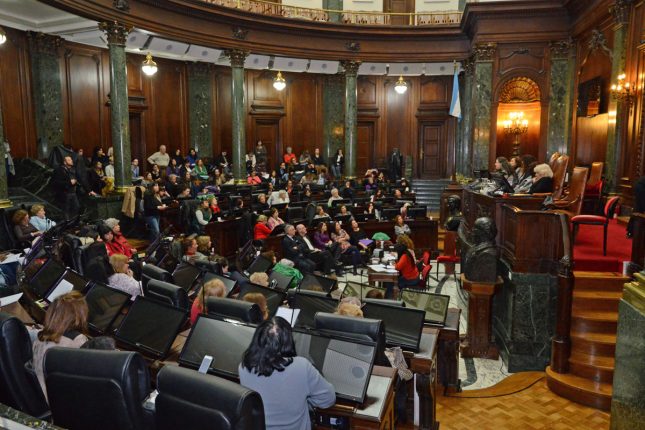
<point x="517" y="126"/>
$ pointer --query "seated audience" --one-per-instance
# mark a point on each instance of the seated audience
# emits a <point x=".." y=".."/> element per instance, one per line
<point x="96" y="178"/>
<point x="334" y="196"/>
<point x="340" y="236"/>
<point x="215" y="209"/>
<point x="259" y="278"/>
<point x="356" y="235"/>
<point x="370" y="185"/>
<point x="320" y="212"/>
<point x="261" y="204"/>
<point x="317" y="158"/>
<point x="371" y="209"/>
<point x="287" y="384"/>
<point x="322" y="240"/>
<point x="278" y="197"/>
<point x="324" y="259"/>
<point x="349" y="310"/>
<point x="400" y="227"/>
<point x="202" y="217"/>
<point x="212" y="288"/>
<point x="251" y="161"/>
<point x="136" y="171"/>
<point x="189" y="249"/>
<point x="65" y="325"/>
<point x="286" y="267"/>
<point x="119" y="244"/>
<point x="259" y="300"/>
<point x="38" y="218"/>
<point x="173" y="168"/>
<point x="123" y="278"/>
<point x="543" y="179"/>
<point x="289" y="157"/>
<point x="173" y="187"/>
<point x="347" y="192"/>
<point x="156" y="173"/>
<point x="192" y="157"/>
<point x="375" y="294"/>
<point x="253" y="178"/>
<point x="293" y="249"/>
<point x="503" y="167"/>
<point x="274" y="219"/>
<point x="261" y="230"/>
<point x="406" y="263"/>
<point x="405" y="185"/>
<point x="343" y="211"/>
<point x="200" y="169"/>
<point x="24" y="231"/>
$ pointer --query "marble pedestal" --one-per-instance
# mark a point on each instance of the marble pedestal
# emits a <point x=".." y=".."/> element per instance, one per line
<point x="479" y="341"/>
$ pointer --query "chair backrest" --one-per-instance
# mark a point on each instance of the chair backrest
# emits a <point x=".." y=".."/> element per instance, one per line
<point x="577" y="190"/>
<point x="190" y="400"/>
<point x="235" y="309"/>
<point x="596" y="172"/>
<point x="95" y="389"/>
<point x="553" y="158"/>
<point x="559" y="168"/>
<point x="450" y="243"/>
<point x="610" y="206"/>
<point x="150" y="271"/>
<point x="18" y="387"/>
<point x="425" y="274"/>
<point x="310" y="212"/>
<point x="168" y="293"/>
<point x="295" y="214"/>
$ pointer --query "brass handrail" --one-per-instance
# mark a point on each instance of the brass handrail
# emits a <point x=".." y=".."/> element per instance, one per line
<point x="341" y="16"/>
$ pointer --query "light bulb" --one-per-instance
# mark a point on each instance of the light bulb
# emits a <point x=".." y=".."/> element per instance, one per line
<point x="149" y="67"/>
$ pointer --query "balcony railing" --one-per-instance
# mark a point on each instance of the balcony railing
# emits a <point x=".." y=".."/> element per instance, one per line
<point x="342" y="16"/>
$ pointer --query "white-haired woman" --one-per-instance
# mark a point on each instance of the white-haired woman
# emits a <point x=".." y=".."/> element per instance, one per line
<point x="542" y="180"/>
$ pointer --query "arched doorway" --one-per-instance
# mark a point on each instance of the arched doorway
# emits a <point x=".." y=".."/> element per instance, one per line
<point x="518" y="118"/>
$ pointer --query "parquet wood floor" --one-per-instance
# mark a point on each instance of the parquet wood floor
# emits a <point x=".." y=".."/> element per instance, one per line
<point x="533" y="408"/>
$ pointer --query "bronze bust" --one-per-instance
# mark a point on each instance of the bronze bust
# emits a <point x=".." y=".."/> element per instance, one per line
<point x="480" y="261"/>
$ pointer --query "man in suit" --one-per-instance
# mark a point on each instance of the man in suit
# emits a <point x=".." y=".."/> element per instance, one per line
<point x="324" y="259"/>
<point x="293" y="249"/>
<point x="65" y="182"/>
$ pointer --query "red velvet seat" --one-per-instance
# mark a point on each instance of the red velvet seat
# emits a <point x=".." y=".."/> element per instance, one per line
<point x="451" y="253"/>
<point x="610" y="208"/>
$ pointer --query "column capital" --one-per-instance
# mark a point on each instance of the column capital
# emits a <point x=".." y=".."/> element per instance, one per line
<point x="560" y="49"/>
<point x="350" y="67"/>
<point x="484" y="51"/>
<point x="620" y="11"/>
<point x="469" y="65"/>
<point x="117" y="33"/>
<point x="237" y="57"/>
<point x="44" y="43"/>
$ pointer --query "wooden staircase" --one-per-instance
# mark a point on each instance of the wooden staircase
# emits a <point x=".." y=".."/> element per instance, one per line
<point x="594" y="321"/>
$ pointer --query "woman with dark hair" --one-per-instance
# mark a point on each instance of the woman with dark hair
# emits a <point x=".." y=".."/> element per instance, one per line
<point x="503" y="167"/>
<point x="338" y="162"/>
<point x="173" y="168"/>
<point x="23" y="230"/>
<point x="192" y="157"/>
<point x="340" y="236"/>
<point x="406" y="262"/>
<point x="287" y="384"/>
<point x="152" y="205"/>
<point x="96" y="177"/>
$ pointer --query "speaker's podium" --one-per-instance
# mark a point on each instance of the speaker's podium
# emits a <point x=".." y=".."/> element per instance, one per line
<point x="376" y="412"/>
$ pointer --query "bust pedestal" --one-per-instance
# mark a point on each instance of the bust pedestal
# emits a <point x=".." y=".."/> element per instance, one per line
<point x="478" y="341"/>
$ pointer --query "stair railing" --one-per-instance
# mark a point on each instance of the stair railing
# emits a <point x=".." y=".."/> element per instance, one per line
<point x="561" y="341"/>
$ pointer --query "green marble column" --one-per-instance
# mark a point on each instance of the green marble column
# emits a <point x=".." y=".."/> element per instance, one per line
<point x="481" y="103"/>
<point x="464" y="150"/>
<point x="560" y="98"/>
<point x="117" y="35"/>
<point x="628" y="396"/>
<point x="615" y="131"/>
<point x="238" y="113"/>
<point x="47" y="91"/>
<point x="4" y="190"/>
<point x="200" y="101"/>
<point x="333" y="115"/>
<point x="334" y="5"/>
<point x="351" y="123"/>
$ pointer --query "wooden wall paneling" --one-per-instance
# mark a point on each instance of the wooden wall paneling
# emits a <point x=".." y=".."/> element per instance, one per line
<point x="138" y="87"/>
<point x="223" y="125"/>
<point x="365" y="139"/>
<point x="83" y="97"/>
<point x="591" y="139"/>
<point x="399" y="130"/>
<point x="15" y="95"/>
<point x="303" y="120"/>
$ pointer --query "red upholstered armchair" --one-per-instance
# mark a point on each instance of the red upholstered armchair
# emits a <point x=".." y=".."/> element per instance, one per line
<point x="610" y="208"/>
<point x="450" y="254"/>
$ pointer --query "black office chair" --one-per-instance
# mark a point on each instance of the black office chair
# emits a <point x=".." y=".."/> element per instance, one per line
<point x="190" y="400"/>
<point x="19" y="388"/>
<point x="150" y="271"/>
<point x="234" y="309"/>
<point x="94" y="389"/>
<point x="168" y="293"/>
<point x="355" y="328"/>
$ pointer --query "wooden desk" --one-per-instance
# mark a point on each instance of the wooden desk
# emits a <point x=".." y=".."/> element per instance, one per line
<point x="425" y="233"/>
<point x="377" y="412"/>
<point x="424" y="366"/>
<point x="225" y="236"/>
<point x="373" y="277"/>
<point x="448" y="352"/>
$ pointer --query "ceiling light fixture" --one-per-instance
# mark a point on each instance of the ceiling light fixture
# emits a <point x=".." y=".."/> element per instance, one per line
<point x="278" y="82"/>
<point x="401" y="86"/>
<point x="149" y="67"/>
<point x="3" y="36"/>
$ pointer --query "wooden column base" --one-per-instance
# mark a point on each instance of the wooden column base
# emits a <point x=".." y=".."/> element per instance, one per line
<point x="478" y="342"/>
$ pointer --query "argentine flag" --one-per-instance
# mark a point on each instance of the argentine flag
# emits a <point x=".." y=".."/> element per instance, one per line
<point x="455" y="105"/>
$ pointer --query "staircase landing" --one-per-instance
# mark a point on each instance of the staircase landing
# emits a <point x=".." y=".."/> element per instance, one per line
<point x="428" y="192"/>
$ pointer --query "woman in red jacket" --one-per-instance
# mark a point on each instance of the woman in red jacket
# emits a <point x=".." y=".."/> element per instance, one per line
<point x="406" y="264"/>
<point x="261" y="229"/>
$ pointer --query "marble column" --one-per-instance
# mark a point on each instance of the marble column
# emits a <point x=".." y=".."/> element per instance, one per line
<point x="4" y="190"/>
<point x="464" y="150"/>
<point x="200" y="96"/>
<point x="47" y="91"/>
<point x="560" y="98"/>
<point x="482" y="98"/>
<point x="117" y="35"/>
<point x="333" y="115"/>
<point x="628" y="397"/>
<point x="615" y="131"/>
<point x="238" y="113"/>
<point x="351" y="112"/>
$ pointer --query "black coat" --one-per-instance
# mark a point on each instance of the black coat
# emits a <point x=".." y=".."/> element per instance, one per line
<point x="543" y="185"/>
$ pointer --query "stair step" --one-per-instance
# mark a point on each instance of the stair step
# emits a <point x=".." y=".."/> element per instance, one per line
<point x="603" y="281"/>
<point x="594" y="343"/>
<point x="598" y="368"/>
<point x="594" y="321"/>
<point x="580" y="390"/>
<point x="597" y="300"/>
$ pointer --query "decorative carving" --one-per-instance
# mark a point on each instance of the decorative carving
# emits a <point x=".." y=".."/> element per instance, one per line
<point x="350" y="66"/>
<point x="237" y="57"/>
<point x="469" y="65"/>
<point x="522" y="51"/>
<point x="598" y="41"/>
<point x="561" y="49"/>
<point x="240" y="33"/>
<point x="520" y="89"/>
<point x="353" y="46"/>
<point x="44" y="43"/>
<point x="484" y="51"/>
<point x="122" y="5"/>
<point x="620" y="11"/>
<point x="117" y="33"/>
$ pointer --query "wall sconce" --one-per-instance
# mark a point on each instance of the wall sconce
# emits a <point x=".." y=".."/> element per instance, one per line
<point x="338" y="131"/>
<point x="401" y="86"/>
<point x="3" y="36"/>
<point x="278" y="82"/>
<point x="517" y="126"/>
<point x="622" y="91"/>
<point x="149" y="67"/>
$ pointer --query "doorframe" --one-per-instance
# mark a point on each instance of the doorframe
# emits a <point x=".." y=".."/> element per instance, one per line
<point x="450" y="123"/>
<point x="374" y="123"/>
<point x="269" y="119"/>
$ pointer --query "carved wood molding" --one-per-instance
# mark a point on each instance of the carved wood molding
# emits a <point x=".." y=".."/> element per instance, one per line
<point x="117" y="33"/>
<point x="561" y="49"/>
<point x="484" y="52"/>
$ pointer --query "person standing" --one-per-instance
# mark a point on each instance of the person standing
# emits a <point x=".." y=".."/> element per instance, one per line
<point x="160" y="158"/>
<point x="261" y="157"/>
<point x="152" y="207"/>
<point x="65" y="184"/>
<point x="338" y="164"/>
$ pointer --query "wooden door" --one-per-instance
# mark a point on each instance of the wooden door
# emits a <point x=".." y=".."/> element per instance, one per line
<point x="137" y="147"/>
<point x="365" y="150"/>
<point x="268" y="131"/>
<point x="399" y="6"/>
<point x="433" y="149"/>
